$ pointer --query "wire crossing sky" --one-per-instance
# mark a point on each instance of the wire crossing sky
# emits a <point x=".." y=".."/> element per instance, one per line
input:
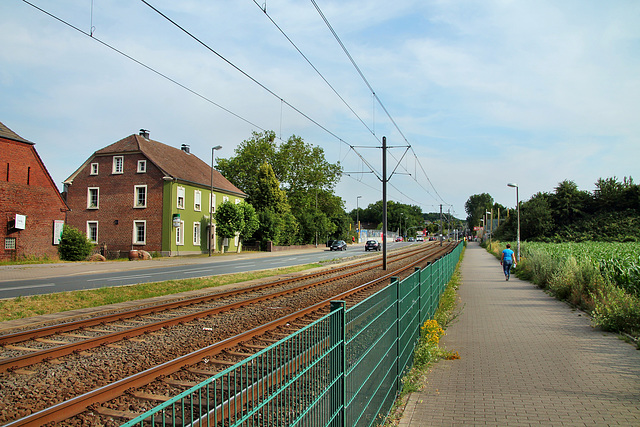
<point x="486" y="92"/>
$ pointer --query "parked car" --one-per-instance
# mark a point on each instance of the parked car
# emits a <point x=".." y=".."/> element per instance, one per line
<point x="420" y="239"/>
<point x="398" y="239"/>
<point x="339" y="245"/>
<point x="372" y="245"/>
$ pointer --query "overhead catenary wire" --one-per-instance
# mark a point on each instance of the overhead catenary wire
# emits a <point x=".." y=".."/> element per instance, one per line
<point x="240" y="70"/>
<point x="374" y="96"/>
<point x="373" y="92"/>
<point x="142" y="64"/>
<point x="194" y="92"/>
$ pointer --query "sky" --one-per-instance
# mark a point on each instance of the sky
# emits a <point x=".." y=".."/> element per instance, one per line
<point x="470" y="95"/>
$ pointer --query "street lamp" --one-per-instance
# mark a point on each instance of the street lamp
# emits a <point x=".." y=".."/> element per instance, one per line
<point x="213" y="150"/>
<point x="358" y="217"/>
<point x="511" y="184"/>
<point x="490" y="226"/>
<point x="401" y="218"/>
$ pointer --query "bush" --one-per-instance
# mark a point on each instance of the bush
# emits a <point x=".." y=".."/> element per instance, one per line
<point x="616" y="310"/>
<point x="74" y="245"/>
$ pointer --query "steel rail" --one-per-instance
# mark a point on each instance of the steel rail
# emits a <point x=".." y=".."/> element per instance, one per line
<point x="87" y="344"/>
<point x="78" y="404"/>
<point x="99" y="320"/>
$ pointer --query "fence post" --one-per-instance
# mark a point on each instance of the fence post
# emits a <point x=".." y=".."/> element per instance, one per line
<point x="396" y="283"/>
<point x="338" y="363"/>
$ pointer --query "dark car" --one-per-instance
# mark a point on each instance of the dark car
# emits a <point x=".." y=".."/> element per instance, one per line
<point x="372" y="245"/>
<point x="338" y="245"/>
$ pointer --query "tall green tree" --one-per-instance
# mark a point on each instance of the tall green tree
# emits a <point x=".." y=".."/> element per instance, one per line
<point x="568" y="204"/>
<point x="299" y="170"/>
<point x="476" y="206"/>
<point x="252" y="153"/>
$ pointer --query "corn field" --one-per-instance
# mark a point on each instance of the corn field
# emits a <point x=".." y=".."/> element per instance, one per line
<point x="617" y="262"/>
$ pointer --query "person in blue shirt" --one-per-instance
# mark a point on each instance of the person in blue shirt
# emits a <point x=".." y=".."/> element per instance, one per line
<point x="508" y="259"/>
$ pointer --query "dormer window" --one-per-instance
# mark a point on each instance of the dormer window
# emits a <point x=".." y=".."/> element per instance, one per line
<point x="118" y="165"/>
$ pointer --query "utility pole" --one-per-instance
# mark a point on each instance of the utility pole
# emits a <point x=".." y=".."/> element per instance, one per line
<point x="441" y="227"/>
<point x="384" y="202"/>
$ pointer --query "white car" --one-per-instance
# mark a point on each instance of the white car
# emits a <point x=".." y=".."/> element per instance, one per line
<point x="419" y="239"/>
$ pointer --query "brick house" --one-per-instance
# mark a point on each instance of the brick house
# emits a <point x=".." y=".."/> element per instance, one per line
<point x="140" y="194"/>
<point x="32" y="211"/>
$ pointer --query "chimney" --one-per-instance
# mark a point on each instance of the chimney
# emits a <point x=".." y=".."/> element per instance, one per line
<point x="185" y="148"/>
<point x="144" y="133"/>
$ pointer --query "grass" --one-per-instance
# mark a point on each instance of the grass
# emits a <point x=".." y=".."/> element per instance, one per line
<point x="428" y="350"/>
<point x="22" y="307"/>
<point x="31" y="260"/>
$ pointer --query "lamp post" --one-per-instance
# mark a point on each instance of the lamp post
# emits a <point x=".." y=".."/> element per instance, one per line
<point x="401" y="219"/>
<point x="358" y="217"/>
<point x="511" y="184"/>
<point x="490" y="226"/>
<point x="213" y="151"/>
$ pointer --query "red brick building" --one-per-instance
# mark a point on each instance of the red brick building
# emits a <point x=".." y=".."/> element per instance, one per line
<point x="141" y="194"/>
<point x="32" y="210"/>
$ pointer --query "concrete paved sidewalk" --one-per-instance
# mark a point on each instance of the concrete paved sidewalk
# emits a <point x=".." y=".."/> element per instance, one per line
<point x="526" y="359"/>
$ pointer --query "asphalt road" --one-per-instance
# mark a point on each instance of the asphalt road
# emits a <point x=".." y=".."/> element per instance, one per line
<point x="18" y="281"/>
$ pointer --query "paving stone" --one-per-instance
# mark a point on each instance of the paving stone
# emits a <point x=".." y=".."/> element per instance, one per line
<point x="526" y="359"/>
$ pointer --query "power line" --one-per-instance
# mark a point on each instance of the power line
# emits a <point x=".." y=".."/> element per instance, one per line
<point x="353" y="62"/>
<point x="264" y="10"/>
<point x="153" y="70"/>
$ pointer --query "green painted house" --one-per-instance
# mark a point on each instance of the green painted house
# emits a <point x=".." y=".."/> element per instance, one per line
<point x="138" y="193"/>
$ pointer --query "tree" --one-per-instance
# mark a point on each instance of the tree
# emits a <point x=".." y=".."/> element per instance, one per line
<point x="229" y="220"/>
<point x="74" y="245"/>
<point x="476" y="206"/>
<point x="290" y="178"/>
<point x="250" y="222"/>
<point x="568" y="204"/>
<point x="268" y="194"/>
<point x="536" y="221"/>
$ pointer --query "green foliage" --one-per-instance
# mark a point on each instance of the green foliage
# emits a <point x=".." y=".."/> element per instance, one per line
<point x="616" y="310"/>
<point x="610" y="213"/>
<point x="294" y="177"/>
<point x="74" y="245"/>
<point x="475" y="207"/>
<point x="229" y="219"/>
<point x="250" y="220"/>
<point x="601" y="278"/>
<point x="268" y="193"/>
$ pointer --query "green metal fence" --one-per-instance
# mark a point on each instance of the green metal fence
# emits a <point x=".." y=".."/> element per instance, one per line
<point x="345" y="369"/>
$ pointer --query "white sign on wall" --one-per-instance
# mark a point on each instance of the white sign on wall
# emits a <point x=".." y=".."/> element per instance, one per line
<point x="58" y="225"/>
<point x="21" y="222"/>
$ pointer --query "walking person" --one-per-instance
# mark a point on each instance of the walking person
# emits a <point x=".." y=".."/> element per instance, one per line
<point x="507" y="260"/>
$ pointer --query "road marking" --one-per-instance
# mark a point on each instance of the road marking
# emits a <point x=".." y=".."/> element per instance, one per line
<point x="45" y="285"/>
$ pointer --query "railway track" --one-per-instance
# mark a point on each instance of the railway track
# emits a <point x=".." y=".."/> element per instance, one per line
<point x="111" y="402"/>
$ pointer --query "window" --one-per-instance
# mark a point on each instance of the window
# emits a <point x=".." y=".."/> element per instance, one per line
<point x="94" y="169"/>
<point x="225" y="199"/>
<point x="142" y="166"/>
<point x="238" y="201"/>
<point x="93" y="198"/>
<point x="180" y="234"/>
<point x="139" y="232"/>
<point x="180" y="201"/>
<point x="197" y="200"/>
<point x="118" y="164"/>
<point x="10" y="243"/>
<point x="212" y="202"/>
<point x="92" y="231"/>
<point x="196" y="233"/>
<point x="140" y="194"/>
